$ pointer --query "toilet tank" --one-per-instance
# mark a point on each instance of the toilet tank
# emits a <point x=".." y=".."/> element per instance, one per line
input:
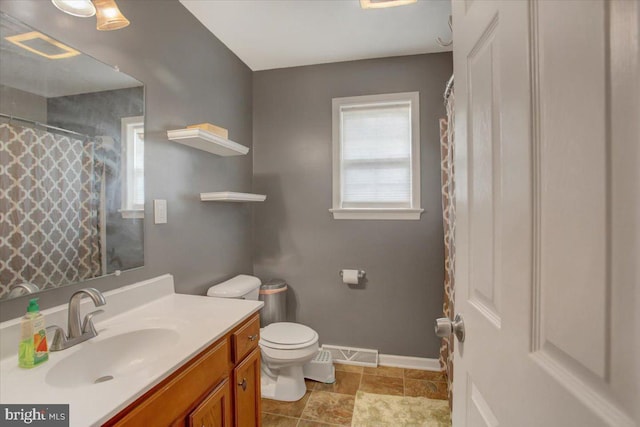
<point x="240" y="287"/>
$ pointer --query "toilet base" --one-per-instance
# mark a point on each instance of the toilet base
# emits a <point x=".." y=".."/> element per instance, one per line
<point x="287" y="386"/>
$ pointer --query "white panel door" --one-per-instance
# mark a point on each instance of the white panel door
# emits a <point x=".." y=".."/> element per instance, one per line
<point x="548" y="212"/>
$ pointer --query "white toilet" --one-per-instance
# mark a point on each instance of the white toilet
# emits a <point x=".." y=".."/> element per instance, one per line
<point x="284" y="346"/>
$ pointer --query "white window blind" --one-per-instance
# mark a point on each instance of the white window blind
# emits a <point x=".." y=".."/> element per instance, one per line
<point x="376" y="157"/>
<point x="137" y="173"/>
<point x="133" y="159"/>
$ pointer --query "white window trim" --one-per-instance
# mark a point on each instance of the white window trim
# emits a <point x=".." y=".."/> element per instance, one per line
<point x="412" y="213"/>
<point x="131" y="213"/>
<point x="126" y="210"/>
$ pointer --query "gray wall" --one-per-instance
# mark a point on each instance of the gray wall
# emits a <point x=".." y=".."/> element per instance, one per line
<point x="294" y="234"/>
<point x="190" y="77"/>
<point x="16" y="102"/>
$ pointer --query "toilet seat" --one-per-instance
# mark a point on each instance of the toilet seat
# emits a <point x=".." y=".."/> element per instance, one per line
<point x="287" y="336"/>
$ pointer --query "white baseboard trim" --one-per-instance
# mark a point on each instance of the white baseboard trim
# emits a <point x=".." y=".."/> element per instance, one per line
<point x="409" y="362"/>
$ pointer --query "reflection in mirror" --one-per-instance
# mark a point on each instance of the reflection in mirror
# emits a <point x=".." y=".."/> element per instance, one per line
<point x="71" y="164"/>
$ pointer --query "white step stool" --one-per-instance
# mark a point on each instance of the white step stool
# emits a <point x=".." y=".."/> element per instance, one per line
<point x="320" y="368"/>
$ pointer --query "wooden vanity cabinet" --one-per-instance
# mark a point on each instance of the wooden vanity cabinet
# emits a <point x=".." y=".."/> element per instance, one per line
<point x="220" y="387"/>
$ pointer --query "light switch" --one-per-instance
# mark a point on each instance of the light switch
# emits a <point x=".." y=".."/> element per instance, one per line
<point x="160" y="211"/>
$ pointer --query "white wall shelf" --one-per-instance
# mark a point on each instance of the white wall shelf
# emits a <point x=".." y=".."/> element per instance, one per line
<point x="207" y="141"/>
<point x="228" y="196"/>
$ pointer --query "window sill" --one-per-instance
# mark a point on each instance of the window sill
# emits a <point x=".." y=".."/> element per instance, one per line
<point x="131" y="213"/>
<point x="385" y="214"/>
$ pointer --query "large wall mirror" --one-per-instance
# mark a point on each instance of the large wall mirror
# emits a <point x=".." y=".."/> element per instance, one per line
<point x="71" y="164"/>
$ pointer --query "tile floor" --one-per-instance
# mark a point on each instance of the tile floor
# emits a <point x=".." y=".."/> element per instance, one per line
<point x="332" y="404"/>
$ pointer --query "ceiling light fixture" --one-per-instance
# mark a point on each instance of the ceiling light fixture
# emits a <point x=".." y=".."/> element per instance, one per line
<point x="81" y="8"/>
<point x="379" y="4"/>
<point x="109" y="16"/>
<point x="107" y="13"/>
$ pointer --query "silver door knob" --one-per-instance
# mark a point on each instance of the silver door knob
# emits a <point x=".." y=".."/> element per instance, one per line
<point x="445" y="327"/>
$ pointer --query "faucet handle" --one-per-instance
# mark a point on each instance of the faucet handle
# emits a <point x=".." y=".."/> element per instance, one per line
<point x="59" y="339"/>
<point x="87" y="324"/>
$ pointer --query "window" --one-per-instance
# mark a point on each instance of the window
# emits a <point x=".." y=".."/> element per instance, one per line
<point x="133" y="167"/>
<point x="376" y="157"/>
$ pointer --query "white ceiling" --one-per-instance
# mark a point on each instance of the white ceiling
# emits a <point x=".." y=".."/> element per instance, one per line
<point x="269" y="34"/>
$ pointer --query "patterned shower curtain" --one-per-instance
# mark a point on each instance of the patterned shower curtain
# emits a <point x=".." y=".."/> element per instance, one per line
<point x="448" y="216"/>
<point x="49" y="208"/>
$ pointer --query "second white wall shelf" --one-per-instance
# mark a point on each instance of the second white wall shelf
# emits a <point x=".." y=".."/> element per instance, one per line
<point x="229" y="196"/>
<point x="207" y="141"/>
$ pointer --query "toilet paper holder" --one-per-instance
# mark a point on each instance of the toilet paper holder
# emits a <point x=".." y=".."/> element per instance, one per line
<point x="361" y="273"/>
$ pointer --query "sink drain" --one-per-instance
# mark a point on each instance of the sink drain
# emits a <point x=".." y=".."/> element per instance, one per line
<point x="103" y="379"/>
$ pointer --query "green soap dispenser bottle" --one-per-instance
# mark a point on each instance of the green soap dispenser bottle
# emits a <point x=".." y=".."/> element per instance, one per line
<point x="33" y="348"/>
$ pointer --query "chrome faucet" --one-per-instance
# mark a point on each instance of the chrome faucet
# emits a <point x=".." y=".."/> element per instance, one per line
<point x="77" y="332"/>
<point x="22" y="289"/>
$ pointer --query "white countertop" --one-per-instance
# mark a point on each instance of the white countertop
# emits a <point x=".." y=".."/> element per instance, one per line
<point x="198" y="321"/>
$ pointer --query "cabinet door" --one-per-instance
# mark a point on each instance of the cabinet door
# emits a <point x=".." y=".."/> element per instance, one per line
<point x="215" y="410"/>
<point x="246" y="391"/>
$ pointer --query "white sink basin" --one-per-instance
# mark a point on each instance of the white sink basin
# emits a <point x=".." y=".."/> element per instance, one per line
<point x="112" y="358"/>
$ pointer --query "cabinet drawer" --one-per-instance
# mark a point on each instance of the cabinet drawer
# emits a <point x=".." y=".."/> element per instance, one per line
<point x="246" y="339"/>
<point x="215" y="410"/>
<point x="172" y="400"/>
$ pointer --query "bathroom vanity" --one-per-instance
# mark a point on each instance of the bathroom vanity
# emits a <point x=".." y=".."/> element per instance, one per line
<point x="159" y="358"/>
<point x="218" y="387"/>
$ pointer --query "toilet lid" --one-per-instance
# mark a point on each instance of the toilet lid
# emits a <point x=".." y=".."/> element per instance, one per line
<point x="287" y="334"/>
